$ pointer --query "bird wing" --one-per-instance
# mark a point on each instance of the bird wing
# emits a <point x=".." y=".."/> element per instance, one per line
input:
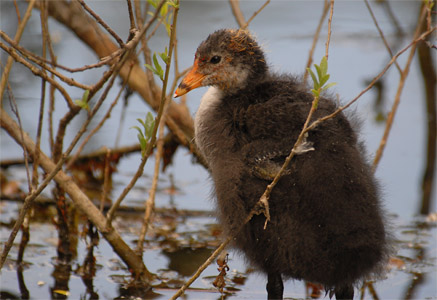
<point x="272" y="128"/>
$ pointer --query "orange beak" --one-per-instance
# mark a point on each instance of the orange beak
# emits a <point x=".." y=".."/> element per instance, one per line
<point x="191" y="81"/>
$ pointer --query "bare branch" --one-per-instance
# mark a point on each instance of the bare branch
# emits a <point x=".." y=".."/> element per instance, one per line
<point x="42" y="63"/>
<point x="162" y="105"/>
<point x="17" y="38"/>
<point x="404" y="75"/>
<point x="38" y="72"/>
<point x="235" y="6"/>
<point x="101" y="22"/>
<point x="80" y="200"/>
<point x="372" y="83"/>
<point x="256" y="13"/>
<point x="315" y="39"/>
<point x="387" y="46"/>
<point x="328" y="39"/>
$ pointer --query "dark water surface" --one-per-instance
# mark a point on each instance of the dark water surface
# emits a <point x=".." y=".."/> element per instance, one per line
<point x="180" y="242"/>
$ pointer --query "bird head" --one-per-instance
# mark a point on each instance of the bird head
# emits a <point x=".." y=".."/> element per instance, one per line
<point x="228" y="59"/>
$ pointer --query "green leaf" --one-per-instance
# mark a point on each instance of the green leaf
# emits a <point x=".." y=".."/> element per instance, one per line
<point x="151" y="68"/>
<point x="164" y="57"/>
<point x="324" y="66"/>
<point x="140" y="133"/>
<point x="85" y="96"/>
<point x="313" y="76"/>
<point x="168" y="28"/>
<point x="159" y="70"/>
<point x="143" y="143"/>
<point x="319" y="71"/>
<point x="148" y="126"/>
<point x="154" y="3"/>
<point x="315" y="92"/>
<point x="174" y="3"/>
<point x="82" y="104"/>
<point x="329" y="85"/>
<point x="164" y="9"/>
<point x="324" y="79"/>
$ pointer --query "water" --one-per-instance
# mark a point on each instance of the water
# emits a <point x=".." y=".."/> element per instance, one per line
<point x="285" y="30"/>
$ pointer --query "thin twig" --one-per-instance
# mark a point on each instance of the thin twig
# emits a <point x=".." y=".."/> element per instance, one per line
<point x="315" y="39"/>
<point x="131" y="16"/>
<point x="328" y="39"/>
<point x="255" y="14"/>
<point x="43" y="63"/>
<point x="106" y="179"/>
<point x="372" y="83"/>
<point x="45" y="36"/>
<point x="255" y="211"/>
<point x="201" y="268"/>
<point x="40" y="60"/>
<point x="25" y="208"/>
<point x="150" y="203"/>
<point x="101" y="22"/>
<point x="387" y="46"/>
<point x="17" y="38"/>
<point x="111" y="212"/>
<point x="404" y="75"/>
<point x="38" y="72"/>
<point x="264" y="200"/>
<point x="113" y="72"/>
<point x="152" y="141"/>
<point x="135" y="264"/>
<point x="97" y="128"/>
<point x="14" y="109"/>
<point x="236" y="11"/>
<point x="399" y="30"/>
<point x="51" y="112"/>
<point x="144" y="46"/>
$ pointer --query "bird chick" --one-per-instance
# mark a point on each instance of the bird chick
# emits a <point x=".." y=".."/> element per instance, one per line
<point x="326" y="218"/>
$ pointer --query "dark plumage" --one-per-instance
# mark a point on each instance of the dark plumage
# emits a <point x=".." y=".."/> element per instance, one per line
<point x="326" y="221"/>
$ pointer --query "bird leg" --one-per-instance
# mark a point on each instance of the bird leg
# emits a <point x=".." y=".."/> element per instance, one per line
<point x="275" y="287"/>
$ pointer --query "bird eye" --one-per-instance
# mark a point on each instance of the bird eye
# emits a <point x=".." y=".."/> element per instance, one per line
<point x="215" y="59"/>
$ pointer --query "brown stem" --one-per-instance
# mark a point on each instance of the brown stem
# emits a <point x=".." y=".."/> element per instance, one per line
<point x="381" y="34"/>
<point x="24" y="238"/>
<point x="328" y="39"/>
<point x="397" y="99"/>
<point x="315" y="39"/>
<point x="372" y="83"/>
<point x="150" y="203"/>
<point x="72" y="160"/>
<point x="38" y="72"/>
<point x="41" y="62"/>
<point x="201" y="268"/>
<point x="255" y="14"/>
<point x="18" y="34"/>
<point x="106" y="179"/>
<point x="81" y="201"/>
<point x="152" y="141"/>
<point x="236" y="11"/>
<point x="131" y="16"/>
<point x="101" y="22"/>
<point x="89" y="32"/>
<point x="427" y="68"/>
